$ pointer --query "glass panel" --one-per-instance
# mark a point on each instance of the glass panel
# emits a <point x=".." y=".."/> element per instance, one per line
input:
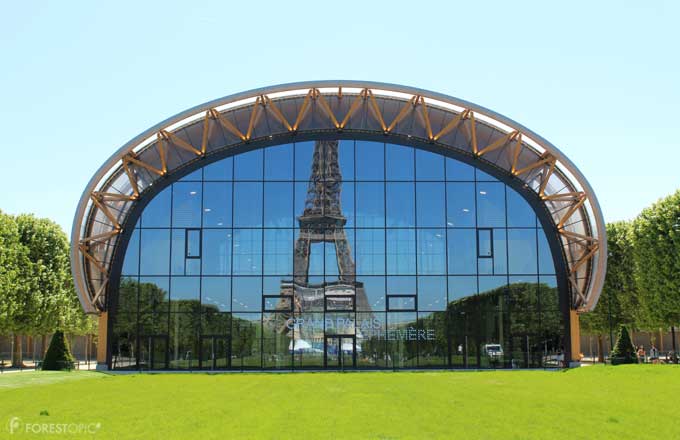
<point x="374" y="291"/>
<point x="432" y="293"/>
<point x="370" y="163"/>
<point x="278" y="251"/>
<point x="131" y="261"/>
<point x="246" y="294"/>
<point x="402" y="346"/>
<point x="155" y="252"/>
<point x="399" y="162"/>
<point x="432" y="340"/>
<point x="246" y="331"/>
<point x="370" y="342"/>
<point x="520" y="214"/>
<point x="400" y="204"/>
<point x="248" y="204"/>
<point x="456" y="170"/>
<point x="247" y="252"/>
<point x="178" y="257"/>
<point x="522" y="251"/>
<point x="193" y="243"/>
<point x="484" y="243"/>
<point x="347" y="203"/>
<point x="462" y="251"/>
<point x="304" y="152"/>
<point x="220" y="170"/>
<point x="370" y="205"/>
<point x="346" y="159"/>
<point x="157" y="212"/>
<point x="401" y="303"/>
<point x="500" y="254"/>
<point x="431" y="251"/>
<point x="462" y="287"/>
<point x="216" y="294"/>
<point x="490" y="205"/>
<point x="216" y="251"/>
<point x="429" y="166"/>
<point x="185" y="293"/>
<point x="154" y="294"/>
<point x="186" y="204"/>
<point x="370" y="251"/>
<point x="248" y="166"/>
<point x="194" y="176"/>
<point x="484" y="177"/>
<point x="217" y="204"/>
<point x="278" y="162"/>
<point x="401" y="251"/>
<point x="278" y="205"/>
<point x="275" y="341"/>
<point x="430" y="205"/>
<point x="460" y="204"/>
<point x="545" y="259"/>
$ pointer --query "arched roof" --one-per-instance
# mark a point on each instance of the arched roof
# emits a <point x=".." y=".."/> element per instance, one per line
<point x="442" y="122"/>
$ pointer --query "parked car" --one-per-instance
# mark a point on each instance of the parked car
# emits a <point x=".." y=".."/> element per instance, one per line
<point x="494" y="351"/>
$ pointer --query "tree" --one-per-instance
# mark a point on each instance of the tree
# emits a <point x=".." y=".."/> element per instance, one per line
<point x="58" y="356"/>
<point x="624" y="351"/>
<point x="619" y="301"/>
<point x="656" y="250"/>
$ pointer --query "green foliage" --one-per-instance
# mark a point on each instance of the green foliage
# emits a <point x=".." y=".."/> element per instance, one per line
<point x="58" y="356"/>
<point x="656" y="250"/>
<point x="624" y="351"/>
<point x="619" y="294"/>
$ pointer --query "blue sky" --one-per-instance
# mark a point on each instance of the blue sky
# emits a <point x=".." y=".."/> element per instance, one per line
<point x="78" y="79"/>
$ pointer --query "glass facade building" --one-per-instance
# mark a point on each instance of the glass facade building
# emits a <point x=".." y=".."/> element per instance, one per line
<point x="337" y="225"/>
<point x="444" y="266"/>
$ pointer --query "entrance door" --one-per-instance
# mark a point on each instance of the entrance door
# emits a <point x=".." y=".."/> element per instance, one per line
<point x="340" y="352"/>
<point x="215" y="352"/>
<point x="153" y="352"/>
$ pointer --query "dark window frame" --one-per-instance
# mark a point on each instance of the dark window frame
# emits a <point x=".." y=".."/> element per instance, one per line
<point x="187" y="231"/>
<point x="490" y="231"/>
<point x="352" y="297"/>
<point x="389" y="309"/>
<point x="275" y="310"/>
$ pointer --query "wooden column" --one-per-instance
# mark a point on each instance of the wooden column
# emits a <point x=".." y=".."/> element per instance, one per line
<point x="102" y="341"/>
<point x="575" y="332"/>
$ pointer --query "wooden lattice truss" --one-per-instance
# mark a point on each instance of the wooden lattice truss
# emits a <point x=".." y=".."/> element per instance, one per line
<point x="463" y="128"/>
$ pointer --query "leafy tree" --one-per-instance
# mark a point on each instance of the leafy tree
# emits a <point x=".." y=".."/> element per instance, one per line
<point x="619" y="302"/>
<point x="656" y="251"/>
<point x="624" y="351"/>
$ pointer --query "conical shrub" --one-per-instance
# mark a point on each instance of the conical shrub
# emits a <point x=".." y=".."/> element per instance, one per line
<point x="624" y="350"/>
<point x="58" y="356"/>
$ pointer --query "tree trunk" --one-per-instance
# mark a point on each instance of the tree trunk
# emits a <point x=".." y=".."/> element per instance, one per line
<point x="600" y="349"/>
<point x="44" y="345"/>
<point x="17" y="355"/>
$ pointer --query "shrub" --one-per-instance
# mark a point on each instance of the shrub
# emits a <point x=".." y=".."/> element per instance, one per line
<point x="624" y="350"/>
<point x="58" y="356"/>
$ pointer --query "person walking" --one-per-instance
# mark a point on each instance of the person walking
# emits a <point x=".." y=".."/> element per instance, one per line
<point x="654" y="354"/>
<point x="641" y="354"/>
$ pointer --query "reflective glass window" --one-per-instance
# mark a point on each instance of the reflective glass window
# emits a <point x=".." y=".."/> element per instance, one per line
<point x="462" y="287"/>
<point x="186" y="204"/>
<point x="278" y="251"/>
<point x="400" y="204"/>
<point x="522" y="251"/>
<point x="431" y="244"/>
<point x="459" y="171"/>
<point x="248" y="204"/>
<point x="216" y="251"/>
<point x="520" y="214"/>
<point x="278" y="205"/>
<point x="131" y="261"/>
<point x="401" y="251"/>
<point x="304" y="153"/>
<point x="249" y="166"/>
<point x="431" y="293"/>
<point x="460" y="204"/>
<point x="370" y="211"/>
<point x="430" y="205"/>
<point x="154" y="252"/>
<point x="185" y="289"/>
<point x="246" y="294"/>
<point x="247" y="253"/>
<point x="462" y="251"/>
<point x="490" y="205"/>
<point x="157" y="212"/>
<point x="278" y="162"/>
<point x="216" y="293"/>
<point x="429" y="166"/>
<point x="370" y="160"/>
<point x="217" y="204"/>
<point x="346" y="159"/>
<point x="220" y="170"/>
<point x="399" y="162"/>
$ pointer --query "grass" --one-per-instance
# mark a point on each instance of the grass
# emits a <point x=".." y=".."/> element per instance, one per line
<point x="595" y="402"/>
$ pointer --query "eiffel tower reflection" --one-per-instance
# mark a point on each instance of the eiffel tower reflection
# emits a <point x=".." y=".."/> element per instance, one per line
<point x="322" y="221"/>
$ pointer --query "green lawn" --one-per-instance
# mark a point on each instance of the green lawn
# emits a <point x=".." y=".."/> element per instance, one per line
<point x="599" y="402"/>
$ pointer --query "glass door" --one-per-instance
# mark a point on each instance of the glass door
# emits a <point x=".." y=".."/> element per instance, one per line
<point x="215" y="352"/>
<point x="340" y="352"/>
<point x="153" y="352"/>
